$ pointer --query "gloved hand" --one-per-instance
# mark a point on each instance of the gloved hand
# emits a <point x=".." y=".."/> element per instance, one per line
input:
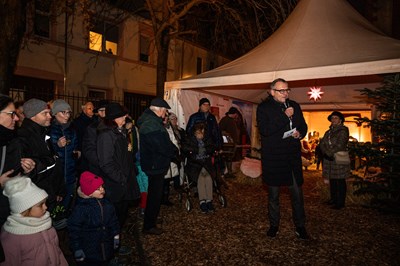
<point x="79" y="255"/>
<point x="116" y="241"/>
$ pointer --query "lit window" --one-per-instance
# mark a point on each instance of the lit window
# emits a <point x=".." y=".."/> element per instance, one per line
<point x="104" y="38"/>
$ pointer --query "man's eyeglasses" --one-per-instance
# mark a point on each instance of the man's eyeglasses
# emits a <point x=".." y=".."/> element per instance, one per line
<point x="11" y="113"/>
<point x="282" y="91"/>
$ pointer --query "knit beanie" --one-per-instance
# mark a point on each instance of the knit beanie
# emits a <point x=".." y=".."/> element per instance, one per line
<point x="22" y="194"/>
<point x="204" y="100"/>
<point x="90" y="182"/>
<point x="33" y="107"/>
<point x="60" y="105"/>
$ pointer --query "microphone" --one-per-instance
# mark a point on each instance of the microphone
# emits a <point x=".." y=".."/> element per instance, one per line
<point x="287" y="104"/>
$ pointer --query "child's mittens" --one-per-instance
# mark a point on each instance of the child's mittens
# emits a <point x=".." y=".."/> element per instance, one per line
<point x="116" y="241"/>
<point x="79" y="255"/>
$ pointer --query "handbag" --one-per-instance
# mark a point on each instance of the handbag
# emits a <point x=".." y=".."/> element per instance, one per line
<point x="342" y="157"/>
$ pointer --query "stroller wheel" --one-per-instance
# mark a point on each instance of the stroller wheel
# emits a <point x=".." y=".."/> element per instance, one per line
<point x="188" y="205"/>
<point x="222" y="200"/>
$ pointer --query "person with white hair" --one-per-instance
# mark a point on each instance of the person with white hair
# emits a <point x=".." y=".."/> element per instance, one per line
<point x="156" y="153"/>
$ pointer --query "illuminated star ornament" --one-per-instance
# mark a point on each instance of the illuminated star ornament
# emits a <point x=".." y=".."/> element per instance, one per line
<point x="315" y="93"/>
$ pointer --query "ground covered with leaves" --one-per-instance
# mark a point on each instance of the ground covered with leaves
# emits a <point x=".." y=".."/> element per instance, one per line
<point x="236" y="235"/>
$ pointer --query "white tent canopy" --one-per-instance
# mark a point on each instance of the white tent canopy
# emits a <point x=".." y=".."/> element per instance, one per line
<point x="322" y="43"/>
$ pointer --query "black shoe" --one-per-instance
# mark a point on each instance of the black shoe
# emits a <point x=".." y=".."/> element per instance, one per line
<point x="302" y="233"/>
<point x="273" y="231"/>
<point x="210" y="206"/>
<point x="153" y="231"/>
<point x="203" y="207"/>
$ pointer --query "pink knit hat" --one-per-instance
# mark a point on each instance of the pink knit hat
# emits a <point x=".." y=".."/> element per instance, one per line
<point x="90" y="182"/>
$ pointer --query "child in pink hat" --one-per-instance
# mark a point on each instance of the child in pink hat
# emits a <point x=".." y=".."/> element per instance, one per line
<point x="93" y="225"/>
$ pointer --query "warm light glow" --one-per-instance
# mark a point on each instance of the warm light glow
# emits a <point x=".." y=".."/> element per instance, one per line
<point x="315" y="93"/>
<point x="95" y="41"/>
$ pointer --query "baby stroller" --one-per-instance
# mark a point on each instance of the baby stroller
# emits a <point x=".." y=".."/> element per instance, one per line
<point x="189" y="190"/>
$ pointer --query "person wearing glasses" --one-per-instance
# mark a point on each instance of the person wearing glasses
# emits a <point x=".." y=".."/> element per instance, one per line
<point x="65" y="144"/>
<point x="11" y="163"/>
<point x="282" y="126"/>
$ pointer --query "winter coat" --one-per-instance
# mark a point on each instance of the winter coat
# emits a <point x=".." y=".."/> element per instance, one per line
<point x="117" y="162"/>
<point x="89" y="149"/>
<point x="281" y="158"/>
<point x="12" y="160"/>
<point x="32" y="250"/>
<point x="156" y="149"/>
<point x="48" y="173"/>
<point x="190" y="149"/>
<point x="80" y="124"/>
<point x="334" y="140"/>
<point x="92" y="226"/>
<point x="228" y="125"/>
<point x="65" y="154"/>
<point x="212" y="129"/>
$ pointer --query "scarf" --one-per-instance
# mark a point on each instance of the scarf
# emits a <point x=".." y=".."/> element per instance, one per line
<point x="20" y="225"/>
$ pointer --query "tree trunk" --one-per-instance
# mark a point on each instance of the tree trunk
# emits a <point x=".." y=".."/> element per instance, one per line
<point x="12" y="21"/>
<point x="162" y="63"/>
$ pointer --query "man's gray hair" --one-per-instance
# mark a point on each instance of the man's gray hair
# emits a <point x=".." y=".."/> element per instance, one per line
<point x="156" y="108"/>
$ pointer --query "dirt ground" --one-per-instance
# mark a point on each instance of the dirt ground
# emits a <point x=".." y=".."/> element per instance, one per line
<point x="236" y="235"/>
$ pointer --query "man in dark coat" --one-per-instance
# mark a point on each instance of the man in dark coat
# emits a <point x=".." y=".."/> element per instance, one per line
<point x="36" y="144"/>
<point x="156" y="153"/>
<point x="282" y="126"/>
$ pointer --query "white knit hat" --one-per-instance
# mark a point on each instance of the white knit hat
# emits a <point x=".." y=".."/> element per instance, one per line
<point x="22" y="194"/>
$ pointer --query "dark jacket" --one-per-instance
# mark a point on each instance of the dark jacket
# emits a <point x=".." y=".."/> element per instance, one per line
<point x="48" y="173"/>
<point x="117" y="163"/>
<point x="281" y="158"/>
<point x="65" y="154"/>
<point x="12" y="160"/>
<point x="80" y="124"/>
<point x="334" y="140"/>
<point x="194" y="164"/>
<point x="156" y="148"/>
<point x="92" y="226"/>
<point x="212" y="129"/>
<point x="89" y="149"/>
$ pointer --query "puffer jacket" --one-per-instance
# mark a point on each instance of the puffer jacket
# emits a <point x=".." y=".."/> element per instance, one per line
<point x="334" y="140"/>
<point x="37" y="249"/>
<point x="92" y="226"/>
<point x="65" y="154"/>
<point x="156" y="149"/>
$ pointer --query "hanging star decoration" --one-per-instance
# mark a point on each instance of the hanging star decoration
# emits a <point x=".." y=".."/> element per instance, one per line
<point x="315" y="93"/>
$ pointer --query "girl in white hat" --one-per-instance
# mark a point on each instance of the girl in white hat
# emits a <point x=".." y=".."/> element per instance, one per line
<point x="27" y="236"/>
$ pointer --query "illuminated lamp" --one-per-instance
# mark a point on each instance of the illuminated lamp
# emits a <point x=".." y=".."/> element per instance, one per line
<point x="315" y="93"/>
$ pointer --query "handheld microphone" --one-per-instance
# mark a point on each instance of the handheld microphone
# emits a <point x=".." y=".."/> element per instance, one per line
<point x="287" y="104"/>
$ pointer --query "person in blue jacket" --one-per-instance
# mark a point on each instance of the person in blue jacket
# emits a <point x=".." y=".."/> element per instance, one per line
<point x="65" y="144"/>
<point x="93" y="225"/>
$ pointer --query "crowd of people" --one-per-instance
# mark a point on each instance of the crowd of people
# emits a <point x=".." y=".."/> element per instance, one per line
<point x="82" y="175"/>
<point x="88" y="170"/>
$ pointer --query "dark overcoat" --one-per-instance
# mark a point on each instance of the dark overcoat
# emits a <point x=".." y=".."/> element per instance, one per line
<point x="281" y="158"/>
